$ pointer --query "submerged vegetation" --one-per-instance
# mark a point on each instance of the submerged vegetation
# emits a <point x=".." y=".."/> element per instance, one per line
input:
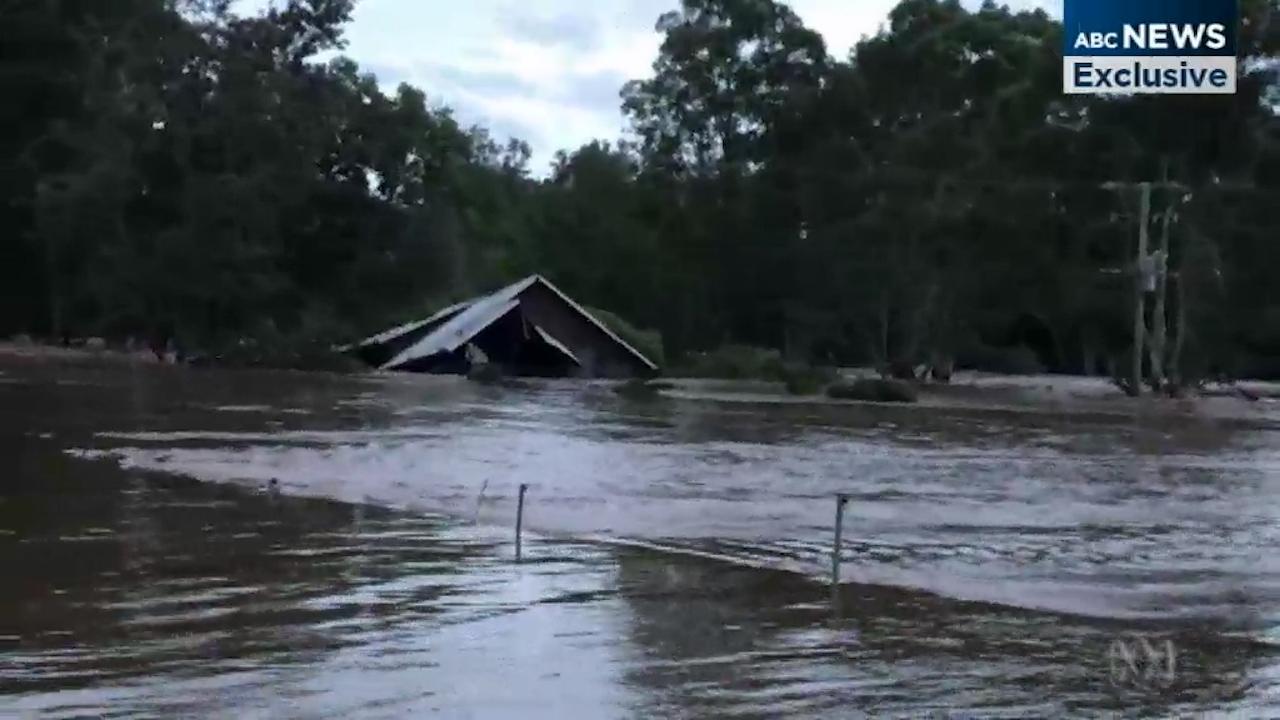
<point x="874" y="390"/>
<point x="641" y="389"/>
<point x="173" y="170"/>
<point x="732" y="362"/>
<point x="648" y="342"/>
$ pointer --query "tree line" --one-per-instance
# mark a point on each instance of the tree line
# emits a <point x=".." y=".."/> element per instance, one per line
<point x="172" y="169"/>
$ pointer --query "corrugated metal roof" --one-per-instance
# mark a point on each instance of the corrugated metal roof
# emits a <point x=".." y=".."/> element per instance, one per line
<point x="459" y="329"/>
<point x="583" y="311"/>
<point x="550" y="339"/>
<point x="387" y="336"/>
<point x="471" y="317"/>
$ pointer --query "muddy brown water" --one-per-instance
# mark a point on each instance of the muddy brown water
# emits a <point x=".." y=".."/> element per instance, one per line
<point x="996" y="563"/>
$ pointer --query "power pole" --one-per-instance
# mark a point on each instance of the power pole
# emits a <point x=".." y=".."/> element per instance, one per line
<point x="1159" y="314"/>
<point x="1140" y="286"/>
<point x="1160" y="266"/>
<point x="1145" y="268"/>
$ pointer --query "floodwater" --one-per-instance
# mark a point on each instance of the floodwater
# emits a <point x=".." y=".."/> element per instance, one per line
<point x="676" y="556"/>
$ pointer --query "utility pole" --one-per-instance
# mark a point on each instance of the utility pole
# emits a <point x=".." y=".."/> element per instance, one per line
<point x="1146" y="268"/>
<point x="1140" y="286"/>
<point x="1159" y="314"/>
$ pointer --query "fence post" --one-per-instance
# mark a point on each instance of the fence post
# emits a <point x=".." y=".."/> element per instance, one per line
<point x="520" y="517"/>
<point x="837" y="545"/>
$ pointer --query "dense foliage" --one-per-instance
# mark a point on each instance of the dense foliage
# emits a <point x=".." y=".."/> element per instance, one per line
<point x="171" y="169"/>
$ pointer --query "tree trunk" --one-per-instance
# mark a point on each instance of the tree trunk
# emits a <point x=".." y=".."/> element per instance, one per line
<point x="1159" y="322"/>
<point x="50" y="226"/>
<point x="1179" y="339"/>
<point x="1088" y="353"/>
<point x="918" y="325"/>
<point x="884" y="327"/>
<point x="1139" y="322"/>
<point x="56" y="327"/>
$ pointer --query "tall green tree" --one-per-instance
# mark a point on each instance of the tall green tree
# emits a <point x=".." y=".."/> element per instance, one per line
<point x="173" y="169"/>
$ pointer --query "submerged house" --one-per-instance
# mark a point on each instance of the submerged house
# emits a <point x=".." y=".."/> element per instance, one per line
<point x="530" y="328"/>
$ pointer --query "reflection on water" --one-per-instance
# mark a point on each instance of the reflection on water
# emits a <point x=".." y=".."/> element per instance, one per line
<point x="677" y="565"/>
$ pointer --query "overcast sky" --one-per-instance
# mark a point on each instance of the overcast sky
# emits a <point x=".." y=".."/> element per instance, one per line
<point x="548" y="71"/>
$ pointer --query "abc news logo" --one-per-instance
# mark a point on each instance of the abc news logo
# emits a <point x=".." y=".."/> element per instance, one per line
<point x="1150" y="47"/>
<point x="1156" y="36"/>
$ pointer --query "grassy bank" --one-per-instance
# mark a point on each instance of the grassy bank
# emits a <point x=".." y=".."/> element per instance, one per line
<point x="302" y="356"/>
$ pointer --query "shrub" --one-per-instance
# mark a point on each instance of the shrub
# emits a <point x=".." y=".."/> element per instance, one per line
<point x="1258" y="367"/>
<point x="648" y="342"/>
<point x="1015" y="360"/>
<point x="736" y="362"/>
<point x="485" y="373"/>
<point x="871" y="390"/>
<point x="640" y="389"/>
<point x="280" y="354"/>
<point x="806" y="380"/>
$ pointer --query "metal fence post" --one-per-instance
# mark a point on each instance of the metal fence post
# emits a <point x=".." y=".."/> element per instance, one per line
<point x="837" y="545"/>
<point x="520" y="517"/>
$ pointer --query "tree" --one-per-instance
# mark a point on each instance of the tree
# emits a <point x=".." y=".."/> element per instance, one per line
<point x="173" y="169"/>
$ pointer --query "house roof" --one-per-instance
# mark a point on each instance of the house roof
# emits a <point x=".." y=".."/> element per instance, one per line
<point x="592" y="319"/>
<point x="387" y="336"/>
<point x="457" y="331"/>
<point x="549" y="339"/>
<point x="464" y="321"/>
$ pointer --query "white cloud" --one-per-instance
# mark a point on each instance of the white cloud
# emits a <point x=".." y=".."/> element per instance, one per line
<point x="548" y="71"/>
